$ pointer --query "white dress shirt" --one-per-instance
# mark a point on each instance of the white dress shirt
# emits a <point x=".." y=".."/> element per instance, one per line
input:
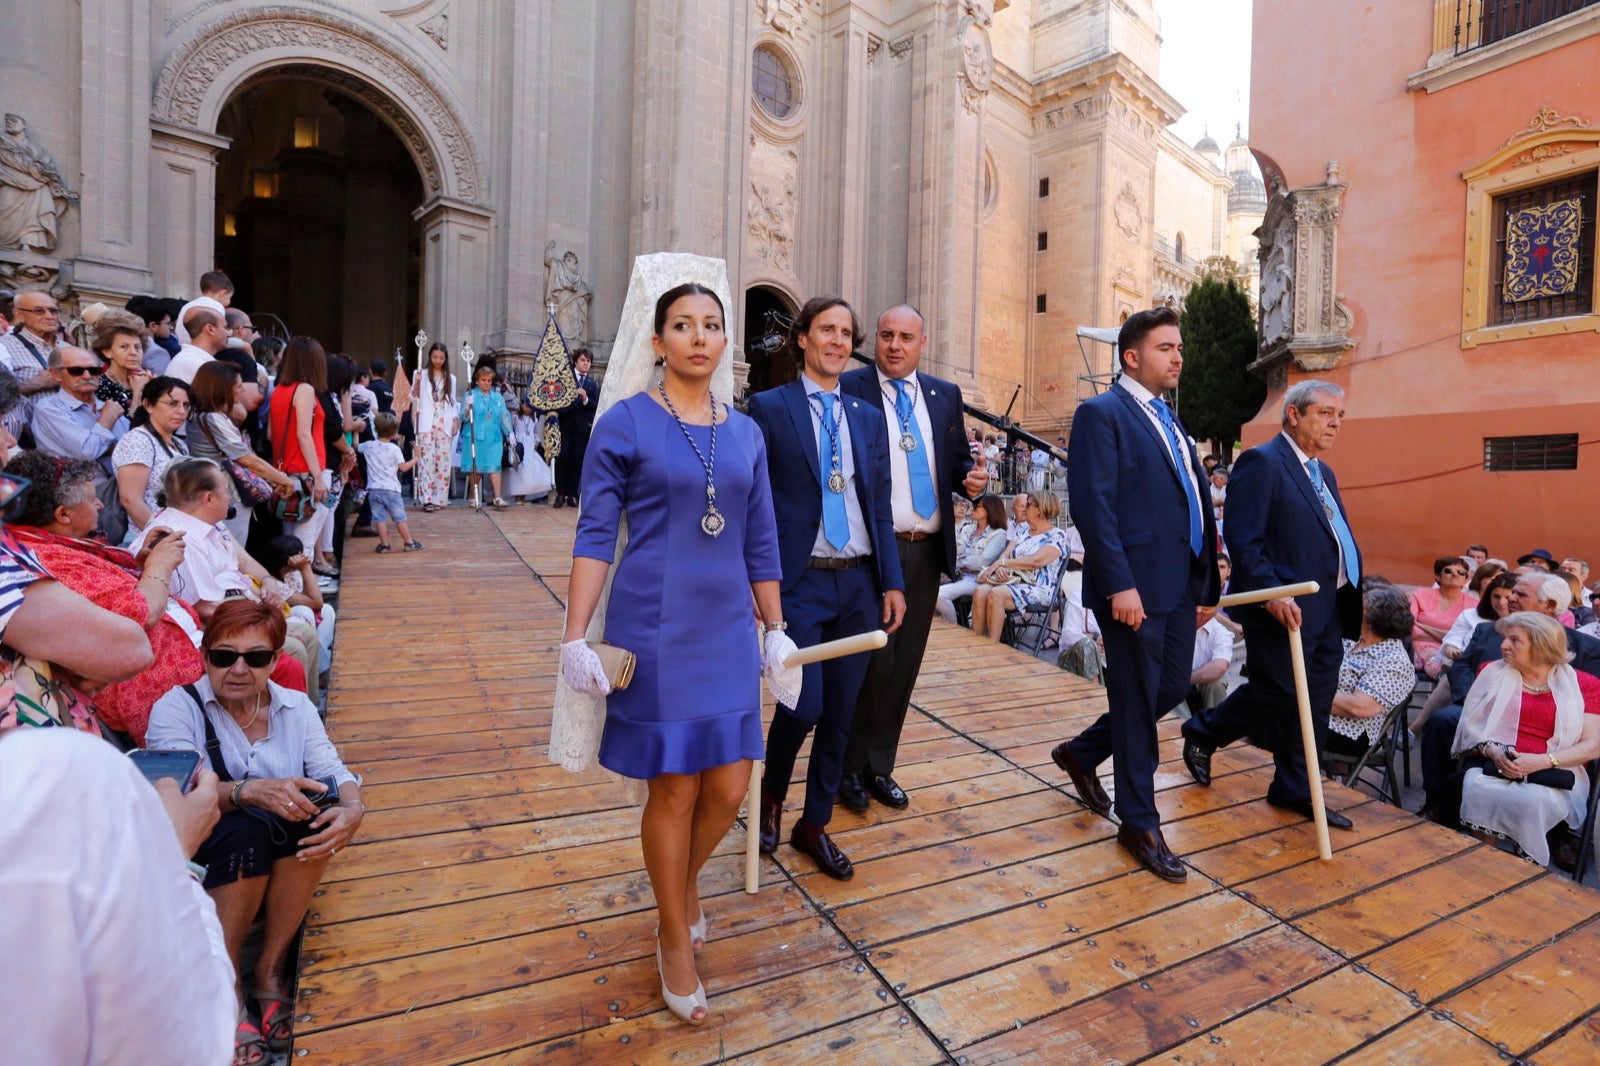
<point x="1212" y="642"/>
<point x="906" y="518"/>
<point x="188" y="360"/>
<point x="210" y="567"/>
<point x="1181" y="458"/>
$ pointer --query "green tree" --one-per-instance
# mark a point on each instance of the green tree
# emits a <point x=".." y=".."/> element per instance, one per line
<point x="1218" y="393"/>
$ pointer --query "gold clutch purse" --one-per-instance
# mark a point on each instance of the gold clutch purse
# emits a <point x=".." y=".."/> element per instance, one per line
<point x="618" y="663"/>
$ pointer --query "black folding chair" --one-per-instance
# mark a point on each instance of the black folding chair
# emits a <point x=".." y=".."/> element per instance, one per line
<point x="1030" y="627"/>
<point x="1586" y="842"/>
<point x="1381" y="756"/>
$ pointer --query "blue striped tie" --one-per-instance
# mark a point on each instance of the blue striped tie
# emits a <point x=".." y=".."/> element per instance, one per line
<point x="1164" y="416"/>
<point x="1347" y="542"/>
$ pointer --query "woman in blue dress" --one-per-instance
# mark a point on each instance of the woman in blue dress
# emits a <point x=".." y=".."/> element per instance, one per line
<point x="690" y="475"/>
<point x="486" y="424"/>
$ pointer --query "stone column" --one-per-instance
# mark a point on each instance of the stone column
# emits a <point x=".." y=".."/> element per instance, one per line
<point x="183" y="192"/>
<point x="455" y="273"/>
<point x="112" y="261"/>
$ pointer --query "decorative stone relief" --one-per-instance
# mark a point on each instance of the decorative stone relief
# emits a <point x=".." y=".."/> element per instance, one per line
<point x="438" y="30"/>
<point x="771" y="207"/>
<point x="901" y="48"/>
<point x="1545" y="119"/>
<point x="784" y="16"/>
<point x="33" y="191"/>
<point x="444" y="151"/>
<point x="1127" y="212"/>
<point x="567" y="295"/>
<point x="1303" y="315"/>
<point x="977" y="55"/>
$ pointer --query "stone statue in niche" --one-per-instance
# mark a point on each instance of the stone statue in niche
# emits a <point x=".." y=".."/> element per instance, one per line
<point x="567" y="292"/>
<point x="33" y="192"/>
<point x="1277" y="294"/>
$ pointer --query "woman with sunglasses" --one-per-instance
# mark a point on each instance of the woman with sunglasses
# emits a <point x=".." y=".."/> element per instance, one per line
<point x="1436" y="610"/>
<point x="143" y="454"/>
<point x="279" y="823"/>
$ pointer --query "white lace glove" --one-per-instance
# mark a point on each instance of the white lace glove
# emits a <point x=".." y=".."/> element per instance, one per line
<point x="782" y="681"/>
<point x="581" y="669"/>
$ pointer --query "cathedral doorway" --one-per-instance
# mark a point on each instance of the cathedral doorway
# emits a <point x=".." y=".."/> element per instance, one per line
<point x="767" y="317"/>
<point x="314" y="224"/>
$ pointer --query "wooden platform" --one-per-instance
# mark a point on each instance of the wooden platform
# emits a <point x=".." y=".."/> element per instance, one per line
<point x="495" y="908"/>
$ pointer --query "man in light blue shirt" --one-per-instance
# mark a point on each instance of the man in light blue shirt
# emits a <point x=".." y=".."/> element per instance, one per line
<point x="71" y="423"/>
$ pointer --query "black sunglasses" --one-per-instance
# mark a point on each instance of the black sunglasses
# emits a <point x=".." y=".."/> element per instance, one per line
<point x="79" y="371"/>
<point x="223" y="658"/>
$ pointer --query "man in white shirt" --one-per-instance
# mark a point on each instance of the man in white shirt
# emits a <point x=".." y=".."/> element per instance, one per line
<point x="207" y="337"/>
<point x="1213" y="654"/>
<point x="113" y="950"/>
<point x="216" y="293"/>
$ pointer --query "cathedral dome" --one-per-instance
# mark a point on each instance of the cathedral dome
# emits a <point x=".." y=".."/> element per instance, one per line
<point x="1207" y="146"/>
<point x="1248" y="195"/>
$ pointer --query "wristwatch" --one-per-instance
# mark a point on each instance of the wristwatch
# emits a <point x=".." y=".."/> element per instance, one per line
<point x="1555" y="763"/>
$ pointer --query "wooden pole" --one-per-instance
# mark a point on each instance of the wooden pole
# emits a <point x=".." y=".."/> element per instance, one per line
<point x="1302" y="699"/>
<point x="752" y="836"/>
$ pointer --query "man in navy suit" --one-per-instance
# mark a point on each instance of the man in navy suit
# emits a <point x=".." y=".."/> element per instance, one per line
<point x="1286" y="523"/>
<point x="829" y="465"/>
<point x="928" y="460"/>
<point x="1137" y="494"/>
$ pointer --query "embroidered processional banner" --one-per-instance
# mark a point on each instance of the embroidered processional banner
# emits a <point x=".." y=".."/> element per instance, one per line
<point x="553" y="385"/>
<point x="1542" y="250"/>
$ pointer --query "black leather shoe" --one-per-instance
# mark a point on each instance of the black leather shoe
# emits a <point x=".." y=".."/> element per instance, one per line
<point x="1090" y="790"/>
<point x="1153" y="854"/>
<point x="810" y="840"/>
<point x="1197" y="757"/>
<point x="771" y="818"/>
<point x="1303" y="808"/>
<point x="886" y="792"/>
<point x="560" y="502"/>
<point x="852" y="793"/>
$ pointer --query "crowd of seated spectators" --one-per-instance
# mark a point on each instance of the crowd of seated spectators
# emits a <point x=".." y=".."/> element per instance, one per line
<point x="146" y="604"/>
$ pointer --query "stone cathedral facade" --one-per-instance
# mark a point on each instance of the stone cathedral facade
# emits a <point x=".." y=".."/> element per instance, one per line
<point x="363" y="168"/>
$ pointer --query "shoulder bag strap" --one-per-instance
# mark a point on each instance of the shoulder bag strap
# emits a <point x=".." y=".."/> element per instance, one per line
<point x="213" y="744"/>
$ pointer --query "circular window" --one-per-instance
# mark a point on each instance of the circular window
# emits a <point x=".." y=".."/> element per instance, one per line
<point x="772" y="82"/>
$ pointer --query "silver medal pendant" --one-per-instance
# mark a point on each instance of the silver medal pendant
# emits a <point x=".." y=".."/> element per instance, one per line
<point x="836" y="482"/>
<point x="908" y="443"/>
<point x="712" y="522"/>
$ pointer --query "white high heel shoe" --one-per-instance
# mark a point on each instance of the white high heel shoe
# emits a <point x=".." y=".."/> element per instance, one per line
<point x="697" y="932"/>
<point x="683" y="1006"/>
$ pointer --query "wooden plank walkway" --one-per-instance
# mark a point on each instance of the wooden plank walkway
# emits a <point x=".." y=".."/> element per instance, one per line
<point x="495" y="908"/>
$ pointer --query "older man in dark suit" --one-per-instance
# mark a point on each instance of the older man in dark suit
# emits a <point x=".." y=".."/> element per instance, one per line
<point x="928" y="460"/>
<point x="1286" y="523"/>
<point x="829" y="465"/>
<point x="1137" y="496"/>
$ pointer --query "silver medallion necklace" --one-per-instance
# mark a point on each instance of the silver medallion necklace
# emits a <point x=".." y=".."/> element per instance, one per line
<point x="830" y="430"/>
<point x="711" y="523"/>
<point x="908" y="442"/>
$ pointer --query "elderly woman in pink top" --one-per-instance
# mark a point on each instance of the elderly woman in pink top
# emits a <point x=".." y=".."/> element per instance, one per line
<point x="1437" y="609"/>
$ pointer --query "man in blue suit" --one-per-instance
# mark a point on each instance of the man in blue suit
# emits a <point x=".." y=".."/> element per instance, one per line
<point x="828" y="461"/>
<point x="928" y="461"/>
<point x="1286" y="523"/>
<point x="1137" y="494"/>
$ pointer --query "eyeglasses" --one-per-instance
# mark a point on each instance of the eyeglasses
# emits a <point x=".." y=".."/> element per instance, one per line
<point x="1454" y="570"/>
<point x="39" y="310"/>
<point x="79" y="371"/>
<point x="180" y="404"/>
<point x="223" y="658"/>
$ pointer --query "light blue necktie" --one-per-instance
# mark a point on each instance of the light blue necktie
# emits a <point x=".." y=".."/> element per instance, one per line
<point x="1164" y="416"/>
<point x="923" y="500"/>
<point x="835" y="524"/>
<point x="1347" y="543"/>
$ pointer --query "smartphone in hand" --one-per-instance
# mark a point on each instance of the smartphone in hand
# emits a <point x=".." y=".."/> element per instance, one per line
<point x="180" y="766"/>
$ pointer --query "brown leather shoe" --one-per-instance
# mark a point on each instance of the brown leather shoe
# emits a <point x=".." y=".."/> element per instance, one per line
<point x="1090" y="790"/>
<point x="815" y="842"/>
<point x="1152" y="852"/>
<point x="771" y="818"/>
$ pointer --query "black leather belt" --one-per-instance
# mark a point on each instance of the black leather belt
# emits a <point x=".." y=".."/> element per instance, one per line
<point x="828" y="562"/>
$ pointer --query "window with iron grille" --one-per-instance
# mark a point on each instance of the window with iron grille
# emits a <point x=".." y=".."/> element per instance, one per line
<point x="1044" y="240"/>
<point x="1499" y="19"/>
<point x="1044" y="186"/>
<point x="1556" y="451"/>
<point x="772" y="83"/>
<point x="1510" y="303"/>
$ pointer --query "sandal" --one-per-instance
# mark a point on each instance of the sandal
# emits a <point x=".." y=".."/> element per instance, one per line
<point x="277" y="1019"/>
<point x="382" y="548"/>
<point x="499" y="504"/>
<point x="325" y="569"/>
<point x="413" y="545"/>
<point x="249" y="1049"/>
<point x="430" y="507"/>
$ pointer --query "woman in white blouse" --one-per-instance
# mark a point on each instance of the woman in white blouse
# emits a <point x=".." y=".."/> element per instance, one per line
<point x="988" y="544"/>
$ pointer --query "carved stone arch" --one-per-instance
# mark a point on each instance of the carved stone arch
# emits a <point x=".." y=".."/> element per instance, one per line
<point x="246" y="48"/>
